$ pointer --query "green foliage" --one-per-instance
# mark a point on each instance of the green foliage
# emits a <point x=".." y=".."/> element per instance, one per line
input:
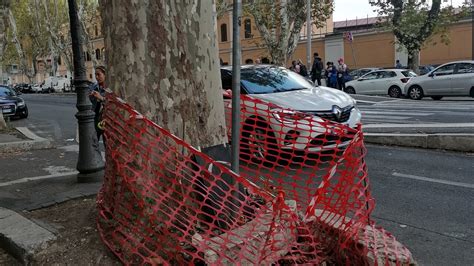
<point x="414" y="23"/>
<point x="280" y="23"/>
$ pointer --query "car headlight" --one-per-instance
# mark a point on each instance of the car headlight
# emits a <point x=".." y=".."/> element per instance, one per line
<point x="287" y="116"/>
<point x="21" y="104"/>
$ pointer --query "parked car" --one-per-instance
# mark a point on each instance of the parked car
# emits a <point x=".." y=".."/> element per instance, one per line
<point x="11" y="104"/>
<point x="381" y="82"/>
<point x="286" y="89"/>
<point x="451" y="79"/>
<point x="357" y="73"/>
<point x="21" y="87"/>
<point x="35" y="88"/>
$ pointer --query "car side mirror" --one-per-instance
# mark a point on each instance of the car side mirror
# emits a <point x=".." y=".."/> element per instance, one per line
<point x="360" y="79"/>
<point x="432" y="75"/>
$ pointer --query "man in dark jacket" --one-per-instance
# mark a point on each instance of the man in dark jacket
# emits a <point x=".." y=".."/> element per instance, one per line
<point x="317" y="69"/>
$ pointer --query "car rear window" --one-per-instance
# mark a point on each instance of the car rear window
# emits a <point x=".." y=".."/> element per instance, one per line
<point x="409" y="74"/>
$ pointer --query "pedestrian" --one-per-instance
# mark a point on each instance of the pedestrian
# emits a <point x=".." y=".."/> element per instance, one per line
<point x="398" y="65"/>
<point x="303" y="70"/>
<point x="316" y="69"/>
<point x="342" y="74"/>
<point x="293" y="66"/>
<point x="97" y="98"/>
<point x="332" y="75"/>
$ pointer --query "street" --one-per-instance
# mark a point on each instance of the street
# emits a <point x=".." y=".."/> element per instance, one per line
<point x="424" y="197"/>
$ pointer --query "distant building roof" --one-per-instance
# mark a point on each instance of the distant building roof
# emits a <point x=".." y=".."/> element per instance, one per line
<point x="356" y="22"/>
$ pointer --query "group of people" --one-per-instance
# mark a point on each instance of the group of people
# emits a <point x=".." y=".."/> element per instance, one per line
<point x="336" y="76"/>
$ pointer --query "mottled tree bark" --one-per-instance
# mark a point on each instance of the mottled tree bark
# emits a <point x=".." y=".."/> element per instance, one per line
<point x="162" y="59"/>
<point x="4" y="11"/>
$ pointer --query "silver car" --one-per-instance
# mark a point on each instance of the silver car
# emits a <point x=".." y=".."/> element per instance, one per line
<point x="451" y="79"/>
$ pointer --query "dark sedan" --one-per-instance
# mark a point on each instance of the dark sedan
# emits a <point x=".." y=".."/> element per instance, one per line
<point x="11" y="104"/>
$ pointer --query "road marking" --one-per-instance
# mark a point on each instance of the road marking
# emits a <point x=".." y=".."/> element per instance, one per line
<point x="28" y="179"/>
<point x="392" y="117"/>
<point x="434" y="180"/>
<point x="395" y="113"/>
<point x="362" y="101"/>
<point x="434" y="125"/>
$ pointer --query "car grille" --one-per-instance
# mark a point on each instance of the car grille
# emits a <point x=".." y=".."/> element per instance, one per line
<point x="329" y="115"/>
<point x="12" y="108"/>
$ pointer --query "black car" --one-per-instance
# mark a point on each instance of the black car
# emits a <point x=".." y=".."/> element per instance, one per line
<point x="11" y="104"/>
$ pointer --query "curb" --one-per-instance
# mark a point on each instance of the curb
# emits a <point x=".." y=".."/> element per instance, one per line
<point x="21" y="237"/>
<point x="34" y="143"/>
<point x="462" y="142"/>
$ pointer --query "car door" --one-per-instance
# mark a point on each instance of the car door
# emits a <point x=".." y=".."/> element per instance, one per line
<point x="383" y="82"/>
<point x="463" y="78"/>
<point x="365" y="84"/>
<point x="438" y="82"/>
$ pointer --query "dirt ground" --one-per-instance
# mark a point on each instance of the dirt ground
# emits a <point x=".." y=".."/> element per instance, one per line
<point x="78" y="241"/>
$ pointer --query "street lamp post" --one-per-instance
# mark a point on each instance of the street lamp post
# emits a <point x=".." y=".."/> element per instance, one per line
<point x="89" y="164"/>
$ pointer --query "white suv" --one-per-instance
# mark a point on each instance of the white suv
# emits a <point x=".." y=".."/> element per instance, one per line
<point x="269" y="122"/>
<point x="451" y="79"/>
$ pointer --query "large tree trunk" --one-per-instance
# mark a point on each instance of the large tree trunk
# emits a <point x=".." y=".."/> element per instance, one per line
<point x="414" y="60"/>
<point x="162" y="59"/>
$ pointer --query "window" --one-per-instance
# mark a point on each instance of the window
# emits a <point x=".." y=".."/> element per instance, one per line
<point x="96" y="31"/>
<point x="248" y="28"/>
<point x="224" y="32"/>
<point x="445" y="70"/>
<point x="386" y="74"/>
<point x="465" y="68"/>
<point x="59" y="60"/>
<point x="88" y="57"/>
<point x="97" y="54"/>
<point x="409" y="74"/>
<point x="372" y="75"/>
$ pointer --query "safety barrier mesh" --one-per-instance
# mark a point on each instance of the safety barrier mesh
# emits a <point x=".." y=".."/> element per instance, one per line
<point x="302" y="195"/>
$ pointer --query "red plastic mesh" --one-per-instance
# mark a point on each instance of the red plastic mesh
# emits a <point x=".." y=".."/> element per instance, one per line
<point x="302" y="195"/>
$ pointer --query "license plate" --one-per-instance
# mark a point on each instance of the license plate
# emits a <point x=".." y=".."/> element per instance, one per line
<point x="7" y="110"/>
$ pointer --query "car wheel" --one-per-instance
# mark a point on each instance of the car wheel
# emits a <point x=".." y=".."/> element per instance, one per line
<point x="415" y="93"/>
<point x="258" y="142"/>
<point x="394" y="92"/>
<point x="437" y="98"/>
<point x="24" y="114"/>
<point x="350" y="90"/>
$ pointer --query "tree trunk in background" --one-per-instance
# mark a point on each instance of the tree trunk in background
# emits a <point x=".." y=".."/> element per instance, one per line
<point x="4" y="12"/>
<point x="163" y="60"/>
<point x="414" y="60"/>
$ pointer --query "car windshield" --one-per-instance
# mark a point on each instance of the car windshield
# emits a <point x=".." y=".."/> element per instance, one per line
<point x="265" y="80"/>
<point x="4" y="91"/>
<point x="409" y="74"/>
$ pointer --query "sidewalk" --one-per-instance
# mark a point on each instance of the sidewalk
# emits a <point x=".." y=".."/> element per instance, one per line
<point x="443" y="136"/>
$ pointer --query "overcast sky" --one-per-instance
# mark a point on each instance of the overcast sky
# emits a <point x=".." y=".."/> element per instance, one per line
<point x="350" y="9"/>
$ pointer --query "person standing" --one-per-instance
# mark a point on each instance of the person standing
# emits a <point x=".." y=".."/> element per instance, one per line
<point x="303" y="71"/>
<point x="341" y="74"/>
<point x="332" y="75"/>
<point x="316" y="69"/>
<point x="398" y="65"/>
<point x="97" y="98"/>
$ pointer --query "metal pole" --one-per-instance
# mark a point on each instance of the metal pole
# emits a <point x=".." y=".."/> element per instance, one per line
<point x="89" y="164"/>
<point x="236" y="57"/>
<point x="308" y="34"/>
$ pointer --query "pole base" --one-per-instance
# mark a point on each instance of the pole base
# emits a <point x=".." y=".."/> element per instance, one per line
<point x="91" y="177"/>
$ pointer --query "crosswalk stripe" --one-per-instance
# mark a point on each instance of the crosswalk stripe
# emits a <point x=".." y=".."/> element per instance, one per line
<point x="397" y="113"/>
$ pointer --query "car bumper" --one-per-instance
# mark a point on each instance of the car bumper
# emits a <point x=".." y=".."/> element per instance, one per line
<point x="314" y="137"/>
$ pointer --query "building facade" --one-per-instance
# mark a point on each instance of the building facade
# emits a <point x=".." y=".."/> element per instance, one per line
<point x="370" y="46"/>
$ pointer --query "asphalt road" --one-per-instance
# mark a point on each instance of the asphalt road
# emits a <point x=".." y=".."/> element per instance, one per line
<point x="425" y="198"/>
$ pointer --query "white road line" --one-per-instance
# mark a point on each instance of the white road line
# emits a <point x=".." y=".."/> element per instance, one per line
<point x="438" y="125"/>
<point x="434" y="180"/>
<point x="28" y="179"/>
<point x="382" y="117"/>
<point x="362" y="101"/>
<point x="399" y="113"/>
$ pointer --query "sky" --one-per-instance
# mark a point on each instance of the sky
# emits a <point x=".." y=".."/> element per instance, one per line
<point x="351" y="9"/>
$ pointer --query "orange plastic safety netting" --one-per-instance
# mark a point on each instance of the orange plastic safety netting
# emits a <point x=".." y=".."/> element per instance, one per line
<point x="302" y="195"/>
